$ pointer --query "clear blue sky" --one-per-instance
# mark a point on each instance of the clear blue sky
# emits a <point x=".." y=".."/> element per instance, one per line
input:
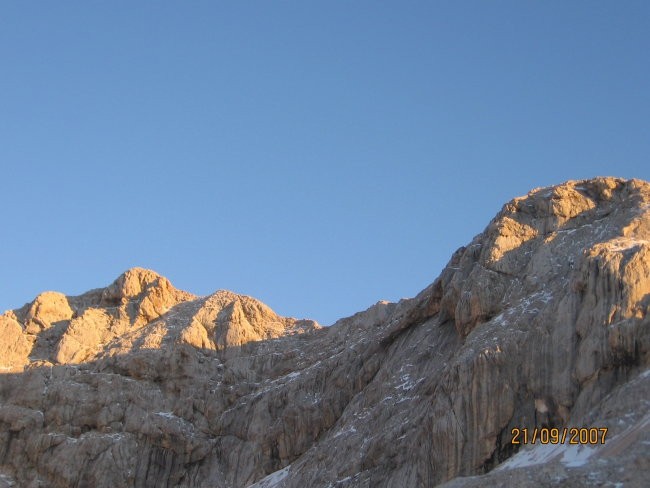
<point x="319" y="156"/>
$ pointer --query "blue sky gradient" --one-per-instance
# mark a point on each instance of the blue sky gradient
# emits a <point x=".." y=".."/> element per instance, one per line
<point x="319" y="156"/>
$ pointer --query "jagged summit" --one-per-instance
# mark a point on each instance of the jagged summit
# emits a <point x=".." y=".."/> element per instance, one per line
<point x="135" y="282"/>
<point x="535" y="242"/>
<point x="540" y="321"/>
<point x="138" y="307"/>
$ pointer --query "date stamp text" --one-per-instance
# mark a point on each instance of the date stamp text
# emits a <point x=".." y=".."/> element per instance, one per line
<point x="573" y="435"/>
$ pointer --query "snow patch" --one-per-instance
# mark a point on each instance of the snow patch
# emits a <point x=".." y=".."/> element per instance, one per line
<point x="349" y="430"/>
<point x="7" y="480"/>
<point x="645" y="374"/>
<point x="568" y="454"/>
<point x="406" y="383"/>
<point x="576" y="455"/>
<point x="273" y="480"/>
<point x="168" y="415"/>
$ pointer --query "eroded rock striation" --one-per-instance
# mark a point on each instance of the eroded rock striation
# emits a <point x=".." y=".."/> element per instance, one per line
<point x="541" y="321"/>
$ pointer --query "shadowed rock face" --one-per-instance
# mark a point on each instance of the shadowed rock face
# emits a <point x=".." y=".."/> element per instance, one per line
<point x="542" y="320"/>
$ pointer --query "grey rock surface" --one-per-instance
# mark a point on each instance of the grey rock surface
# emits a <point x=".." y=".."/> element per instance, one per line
<point x="541" y="321"/>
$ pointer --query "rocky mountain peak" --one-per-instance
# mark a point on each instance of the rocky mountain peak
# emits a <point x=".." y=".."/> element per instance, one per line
<point x="138" y="308"/>
<point x="540" y="322"/>
<point x="135" y="282"/>
<point x="537" y="240"/>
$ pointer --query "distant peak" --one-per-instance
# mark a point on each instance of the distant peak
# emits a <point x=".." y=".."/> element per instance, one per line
<point x="133" y="282"/>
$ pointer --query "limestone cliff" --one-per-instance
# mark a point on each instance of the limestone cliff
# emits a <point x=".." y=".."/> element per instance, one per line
<point x="542" y="320"/>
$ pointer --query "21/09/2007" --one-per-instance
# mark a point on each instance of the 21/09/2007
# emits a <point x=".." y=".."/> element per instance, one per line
<point x="573" y="435"/>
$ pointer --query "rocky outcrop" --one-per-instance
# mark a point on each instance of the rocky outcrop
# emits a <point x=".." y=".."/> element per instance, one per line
<point x="14" y="346"/>
<point x="540" y="321"/>
<point x="71" y="330"/>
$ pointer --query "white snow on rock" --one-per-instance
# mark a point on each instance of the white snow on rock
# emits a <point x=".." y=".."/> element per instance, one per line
<point x="273" y="480"/>
<point x="568" y="454"/>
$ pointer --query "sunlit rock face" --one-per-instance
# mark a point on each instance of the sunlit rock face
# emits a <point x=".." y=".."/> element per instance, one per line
<point x="540" y="321"/>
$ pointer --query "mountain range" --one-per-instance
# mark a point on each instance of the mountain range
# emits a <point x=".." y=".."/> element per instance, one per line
<point x="537" y="327"/>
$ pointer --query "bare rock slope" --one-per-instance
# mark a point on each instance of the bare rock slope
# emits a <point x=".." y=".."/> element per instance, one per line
<point x="541" y="321"/>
